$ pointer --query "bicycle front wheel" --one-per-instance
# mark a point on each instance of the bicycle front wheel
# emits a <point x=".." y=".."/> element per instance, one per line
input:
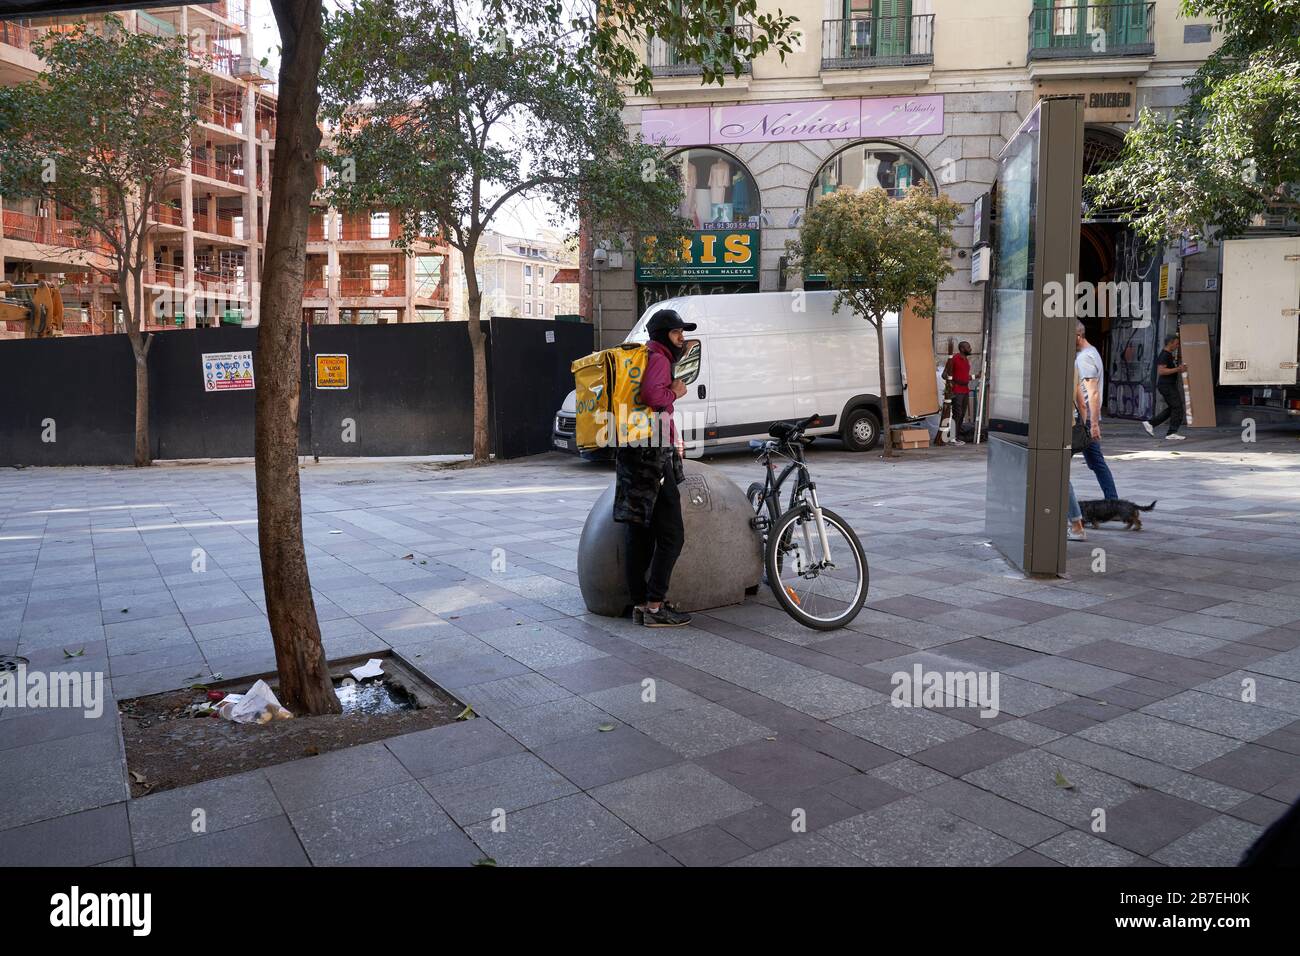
<point x="819" y="589"/>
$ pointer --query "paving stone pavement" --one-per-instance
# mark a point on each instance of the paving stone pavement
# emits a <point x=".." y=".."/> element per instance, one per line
<point x="1163" y="690"/>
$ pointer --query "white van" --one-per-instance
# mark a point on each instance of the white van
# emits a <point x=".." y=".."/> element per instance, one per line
<point x="762" y="361"/>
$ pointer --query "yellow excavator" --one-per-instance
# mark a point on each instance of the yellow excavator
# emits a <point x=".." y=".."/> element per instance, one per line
<point x="36" y="303"/>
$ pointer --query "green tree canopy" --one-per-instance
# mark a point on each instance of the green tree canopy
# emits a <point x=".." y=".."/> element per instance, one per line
<point x="1232" y="149"/>
<point x="878" y="254"/>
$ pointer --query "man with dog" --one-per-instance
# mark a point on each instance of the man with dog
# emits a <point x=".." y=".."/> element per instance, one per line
<point x="1088" y="363"/>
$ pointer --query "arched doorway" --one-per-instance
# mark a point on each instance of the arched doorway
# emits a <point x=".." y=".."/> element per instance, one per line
<point x="1119" y="269"/>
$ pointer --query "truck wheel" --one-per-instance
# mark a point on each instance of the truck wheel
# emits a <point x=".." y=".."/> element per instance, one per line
<point x="861" y="430"/>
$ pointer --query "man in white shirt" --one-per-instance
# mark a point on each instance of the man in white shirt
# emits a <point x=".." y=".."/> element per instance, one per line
<point x="1087" y="361"/>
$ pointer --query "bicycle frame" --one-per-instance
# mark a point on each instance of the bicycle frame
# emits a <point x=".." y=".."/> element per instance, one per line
<point x="772" y="494"/>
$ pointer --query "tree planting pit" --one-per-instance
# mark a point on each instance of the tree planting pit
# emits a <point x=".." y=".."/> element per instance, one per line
<point x="167" y="746"/>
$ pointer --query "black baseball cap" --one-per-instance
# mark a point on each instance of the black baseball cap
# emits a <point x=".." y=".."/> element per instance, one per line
<point x="667" y="319"/>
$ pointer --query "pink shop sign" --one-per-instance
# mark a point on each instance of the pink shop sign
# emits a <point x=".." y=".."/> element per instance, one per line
<point x="794" y="121"/>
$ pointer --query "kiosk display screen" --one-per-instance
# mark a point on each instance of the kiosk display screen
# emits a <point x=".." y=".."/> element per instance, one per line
<point x="1012" y="280"/>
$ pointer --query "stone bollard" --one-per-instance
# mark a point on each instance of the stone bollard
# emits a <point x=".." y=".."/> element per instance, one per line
<point x="721" y="560"/>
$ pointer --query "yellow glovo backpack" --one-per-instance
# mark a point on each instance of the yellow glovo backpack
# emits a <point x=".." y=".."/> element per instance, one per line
<point x="610" y="410"/>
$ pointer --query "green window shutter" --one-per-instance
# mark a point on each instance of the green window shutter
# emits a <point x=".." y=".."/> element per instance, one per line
<point x="1134" y="24"/>
<point x="1041" y="33"/>
<point x="893" y="27"/>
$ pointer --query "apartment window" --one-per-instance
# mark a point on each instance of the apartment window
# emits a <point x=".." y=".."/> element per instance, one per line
<point x="528" y="288"/>
<point x="428" y="275"/>
<point x="541" y="308"/>
<point x="541" y="272"/>
<point x="379" y="225"/>
<point x="378" y="276"/>
<point x="528" y="269"/>
<point x="528" y="308"/>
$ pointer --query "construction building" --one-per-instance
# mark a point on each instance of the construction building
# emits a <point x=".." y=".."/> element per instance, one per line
<point x="208" y="232"/>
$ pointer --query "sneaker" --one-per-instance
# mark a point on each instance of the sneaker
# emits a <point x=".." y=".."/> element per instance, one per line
<point x="664" y="617"/>
<point x="1175" y="438"/>
<point x="957" y="441"/>
<point x="1150" y="431"/>
<point x="638" y="612"/>
<point x="1072" y="535"/>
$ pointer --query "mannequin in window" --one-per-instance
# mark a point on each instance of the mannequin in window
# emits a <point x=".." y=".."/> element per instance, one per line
<point x="740" y="196"/>
<point x="688" y="186"/>
<point x="719" y="180"/>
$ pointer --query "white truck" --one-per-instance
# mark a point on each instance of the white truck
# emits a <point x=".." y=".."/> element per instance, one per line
<point x="1259" y="335"/>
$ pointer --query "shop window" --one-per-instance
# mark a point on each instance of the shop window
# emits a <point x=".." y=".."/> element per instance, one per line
<point x="864" y="166"/>
<point x="717" y="189"/>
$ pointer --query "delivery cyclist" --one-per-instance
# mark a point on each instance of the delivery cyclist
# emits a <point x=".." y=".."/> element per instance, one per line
<point x="646" y="497"/>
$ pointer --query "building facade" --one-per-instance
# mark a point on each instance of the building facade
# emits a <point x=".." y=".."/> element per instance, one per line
<point x="206" y="234"/>
<point x="894" y="93"/>
<point x="530" y="278"/>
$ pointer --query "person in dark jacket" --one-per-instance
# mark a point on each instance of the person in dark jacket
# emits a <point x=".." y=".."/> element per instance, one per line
<point x="646" y="497"/>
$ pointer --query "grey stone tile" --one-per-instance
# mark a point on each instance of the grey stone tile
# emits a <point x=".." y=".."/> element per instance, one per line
<point x="961" y="756"/>
<point x="672" y="800"/>
<point x="1065" y="674"/>
<point x="367" y="823"/>
<point x="509" y="783"/>
<point x="914" y="832"/>
<point x="462" y="744"/>
<point x="1138" y="770"/>
<point x="993" y="813"/>
<point x="705" y="846"/>
<point x="226" y="803"/>
<point x="909" y="775"/>
<point x="1220" y="842"/>
<point x="88" y="838"/>
<point x="648" y="855"/>
<point x="904" y="730"/>
<point x="1160" y="740"/>
<point x="1220" y="715"/>
<point x="594" y="759"/>
<point x="1076" y="848"/>
<point x="551" y="721"/>
<point x="1030" y="779"/>
<point x="337" y="774"/>
<point x="570" y="831"/>
<point x="446" y="848"/>
<point x="58" y="777"/>
<point x="510" y="693"/>
<point x="640" y="703"/>
<point x="808" y="849"/>
<point x="270" y="842"/>
<point x="702" y="730"/>
<point x="1151" y="820"/>
<point x="771" y="770"/>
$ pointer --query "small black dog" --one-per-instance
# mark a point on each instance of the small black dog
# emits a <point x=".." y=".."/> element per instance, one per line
<point x="1114" y="509"/>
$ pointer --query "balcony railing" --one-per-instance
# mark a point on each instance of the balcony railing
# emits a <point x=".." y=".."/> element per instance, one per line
<point x="166" y="214"/>
<point x="1097" y="29"/>
<point x="26" y="227"/>
<point x="664" y="59"/>
<point x="229" y="117"/>
<point x="12" y="34"/>
<point x="215" y="169"/>
<point x="877" y="41"/>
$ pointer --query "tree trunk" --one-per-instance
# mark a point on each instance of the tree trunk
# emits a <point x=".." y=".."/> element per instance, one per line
<point x="305" y="685"/>
<point x="479" y="351"/>
<point x="140" y="352"/>
<point x="884" y="388"/>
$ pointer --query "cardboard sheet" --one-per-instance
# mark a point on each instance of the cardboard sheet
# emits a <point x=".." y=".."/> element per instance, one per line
<point x="916" y="345"/>
<point x="1197" y="381"/>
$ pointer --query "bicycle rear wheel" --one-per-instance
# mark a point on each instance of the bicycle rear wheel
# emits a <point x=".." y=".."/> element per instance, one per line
<point x="818" y="593"/>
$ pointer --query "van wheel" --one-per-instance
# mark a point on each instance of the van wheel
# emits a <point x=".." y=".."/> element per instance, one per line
<point x="861" y="430"/>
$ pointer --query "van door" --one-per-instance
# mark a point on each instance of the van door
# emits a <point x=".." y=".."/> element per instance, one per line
<point x="916" y="345"/>
<point x="749" y="372"/>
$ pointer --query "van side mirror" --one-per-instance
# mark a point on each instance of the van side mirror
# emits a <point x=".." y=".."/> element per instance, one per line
<point x="687" y="368"/>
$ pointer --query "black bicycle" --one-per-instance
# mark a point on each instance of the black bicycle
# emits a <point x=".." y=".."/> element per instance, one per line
<point x="814" y="561"/>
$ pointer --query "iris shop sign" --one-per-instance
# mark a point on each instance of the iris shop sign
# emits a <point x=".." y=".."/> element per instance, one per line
<point x="794" y="121"/>
<point x="710" y="255"/>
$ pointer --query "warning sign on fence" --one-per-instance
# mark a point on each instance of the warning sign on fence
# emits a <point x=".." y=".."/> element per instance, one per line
<point x="227" y="371"/>
<point x="331" y="371"/>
